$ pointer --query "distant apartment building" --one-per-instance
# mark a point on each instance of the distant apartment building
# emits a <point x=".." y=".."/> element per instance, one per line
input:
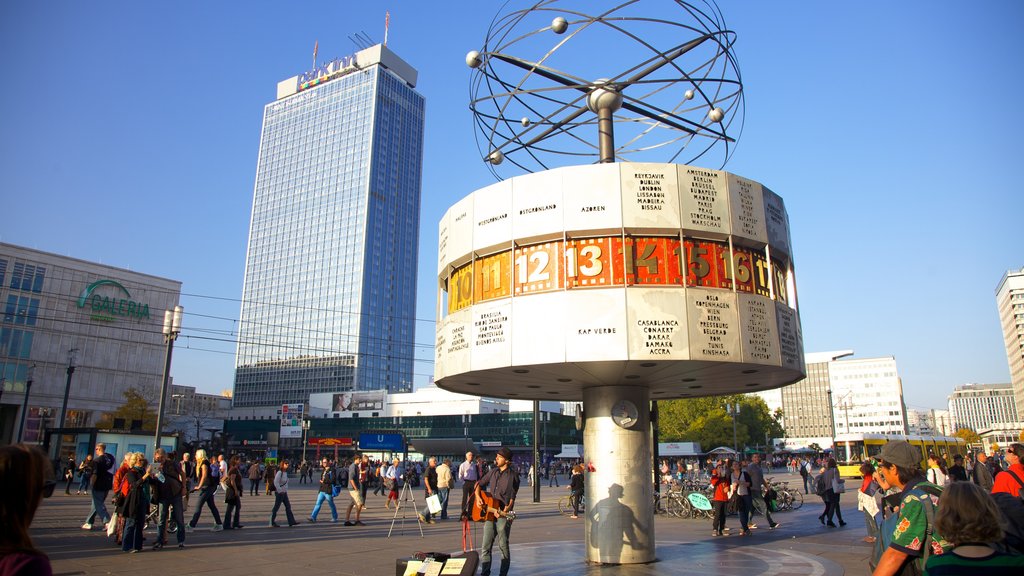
<point x="856" y="396"/>
<point x="867" y="396"/>
<point x="929" y="422"/>
<point x="979" y="406"/>
<point x="1010" y="301"/>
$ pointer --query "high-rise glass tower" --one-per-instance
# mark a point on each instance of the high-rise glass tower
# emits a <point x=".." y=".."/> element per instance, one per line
<point x="328" y="302"/>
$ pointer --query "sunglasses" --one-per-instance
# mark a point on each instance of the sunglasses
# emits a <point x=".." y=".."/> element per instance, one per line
<point x="48" y="487"/>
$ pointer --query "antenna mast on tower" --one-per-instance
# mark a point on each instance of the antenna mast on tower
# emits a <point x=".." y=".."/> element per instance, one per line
<point x="387" y="21"/>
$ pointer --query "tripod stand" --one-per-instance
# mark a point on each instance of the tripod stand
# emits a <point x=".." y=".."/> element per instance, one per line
<point x="405" y="498"/>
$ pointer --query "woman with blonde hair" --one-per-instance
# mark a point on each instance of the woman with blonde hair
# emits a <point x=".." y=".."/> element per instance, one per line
<point x="26" y="477"/>
<point x="206" y="486"/>
<point x="969" y="519"/>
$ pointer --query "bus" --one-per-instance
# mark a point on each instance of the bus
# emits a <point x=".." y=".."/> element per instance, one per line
<point x="852" y="450"/>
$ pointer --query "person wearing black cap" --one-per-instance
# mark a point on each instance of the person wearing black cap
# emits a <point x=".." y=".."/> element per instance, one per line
<point x="503" y="484"/>
<point x="915" y="535"/>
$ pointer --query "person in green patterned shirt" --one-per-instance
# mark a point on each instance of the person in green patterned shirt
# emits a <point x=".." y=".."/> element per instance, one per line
<point x="900" y="466"/>
<point x="969" y="518"/>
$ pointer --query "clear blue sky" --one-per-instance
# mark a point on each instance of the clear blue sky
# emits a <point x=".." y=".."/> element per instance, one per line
<point x="129" y="133"/>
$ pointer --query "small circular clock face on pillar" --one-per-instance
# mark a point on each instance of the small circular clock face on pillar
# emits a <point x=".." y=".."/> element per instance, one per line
<point x="625" y="414"/>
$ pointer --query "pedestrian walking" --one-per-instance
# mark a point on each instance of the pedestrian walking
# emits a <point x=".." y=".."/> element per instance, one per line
<point x="233" y="495"/>
<point x="102" y="482"/>
<point x="281" y="497"/>
<point x="85" y="471"/>
<point x="255" y="474"/>
<point x="206" y="486"/>
<point x="327" y="482"/>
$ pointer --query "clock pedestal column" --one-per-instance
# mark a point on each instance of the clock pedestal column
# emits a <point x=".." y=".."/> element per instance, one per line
<point x="619" y="487"/>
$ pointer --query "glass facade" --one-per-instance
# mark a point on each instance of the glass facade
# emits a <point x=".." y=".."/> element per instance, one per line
<point x="328" y="302"/>
<point x="514" y="430"/>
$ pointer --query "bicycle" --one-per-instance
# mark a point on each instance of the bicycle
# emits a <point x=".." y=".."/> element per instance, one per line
<point x="565" y="505"/>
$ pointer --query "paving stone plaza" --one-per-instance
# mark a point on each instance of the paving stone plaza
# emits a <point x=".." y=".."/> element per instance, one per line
<point x="543" y="542"/>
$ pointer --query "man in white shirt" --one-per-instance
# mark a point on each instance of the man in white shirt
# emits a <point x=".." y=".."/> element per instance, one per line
<point x="469" y="473"/>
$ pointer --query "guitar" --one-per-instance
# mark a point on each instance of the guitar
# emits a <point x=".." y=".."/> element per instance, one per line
<point x="491" y="510"/>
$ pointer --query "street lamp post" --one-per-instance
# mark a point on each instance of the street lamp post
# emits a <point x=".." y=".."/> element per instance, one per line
<point x="29" y="376"/>
<point x="177" y="403"/>
<point x="64" y="407"/>
<point x="305" y="432"/>
<point x="832" y="420"/>
<point x="172" y="327"/>
<point x="734" y="411"/>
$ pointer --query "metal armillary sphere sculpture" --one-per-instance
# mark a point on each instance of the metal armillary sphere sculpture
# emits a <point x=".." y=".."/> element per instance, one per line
<point x="571" y="82"/>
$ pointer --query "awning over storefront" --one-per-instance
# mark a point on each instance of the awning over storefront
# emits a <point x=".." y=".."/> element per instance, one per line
<point x="570" y="451"/>
<point x="666" y="449"/>
<point x="442" y="446"/>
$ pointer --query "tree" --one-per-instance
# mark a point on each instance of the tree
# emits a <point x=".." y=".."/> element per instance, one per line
<point x="969" y="436"/>
<point x="137" y="406"/>
<point x="706" y="421"/>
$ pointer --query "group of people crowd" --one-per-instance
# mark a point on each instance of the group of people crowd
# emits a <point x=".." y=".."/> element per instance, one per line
<point x="967" y="518"/>
<point x="160" y="491"/>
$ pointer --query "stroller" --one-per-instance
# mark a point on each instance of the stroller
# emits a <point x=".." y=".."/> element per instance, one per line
<point x="153" y="519"/>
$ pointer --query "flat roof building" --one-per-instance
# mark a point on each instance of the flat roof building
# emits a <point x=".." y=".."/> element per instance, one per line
<point x="1010" y="301"/>
<point x="979" y="406"/>
<point x="328" y="301"/>
<point x="61" y="313"/>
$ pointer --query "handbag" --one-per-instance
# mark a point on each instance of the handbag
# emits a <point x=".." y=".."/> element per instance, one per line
<point x="434" y="503"/>
<point x="838" y="485"/>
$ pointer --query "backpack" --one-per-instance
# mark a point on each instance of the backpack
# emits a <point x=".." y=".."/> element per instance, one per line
<point x="914" y="566"/>
<point x="214" y="470"/>
<point x="820" y="486"/>
<point x="1012" y="510"/>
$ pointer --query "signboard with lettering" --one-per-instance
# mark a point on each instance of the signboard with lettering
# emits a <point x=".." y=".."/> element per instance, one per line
<point x="457" y="339"/>
<point x="713" y="324"/>
<point x="460" y="230"/>
<point x="382" y="441"/>
<point x="291" y="420"/>
<point x="704" y="201"/>
<point x="747" y="208"/>
<point x="108" y="300"/>
<point x="330" y="441"/>
<point x="791" y="345"/>
<point x="492" y="329"/>
<point x="657" y="325"/>
<point x="492" y="217"/>
<point x="760" y="340"/>
<point x="596" y="326"/>
<point x="592" y="200"/>
<point x="537" y="205"/>
<point x="776" y="221"/>
<point x="650" y="197"/>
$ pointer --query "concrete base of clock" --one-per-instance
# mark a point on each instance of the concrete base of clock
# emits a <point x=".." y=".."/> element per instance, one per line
<point x="619" y="485"/>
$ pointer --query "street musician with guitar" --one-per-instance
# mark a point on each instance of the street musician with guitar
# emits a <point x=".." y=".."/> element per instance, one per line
<point x="495" y="497"/>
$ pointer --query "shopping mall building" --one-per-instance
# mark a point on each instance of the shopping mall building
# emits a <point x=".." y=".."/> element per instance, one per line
<point x="77" y="326"/>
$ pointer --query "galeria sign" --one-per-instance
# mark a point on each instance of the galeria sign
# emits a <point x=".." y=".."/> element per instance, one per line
<point x="108" y="307"/>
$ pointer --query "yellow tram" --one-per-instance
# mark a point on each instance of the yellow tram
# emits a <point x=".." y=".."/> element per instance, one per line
<point x="851" y="450"/>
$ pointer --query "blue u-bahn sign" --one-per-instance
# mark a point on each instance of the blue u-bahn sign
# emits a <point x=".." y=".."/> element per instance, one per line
<point x="382" y="441"/>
